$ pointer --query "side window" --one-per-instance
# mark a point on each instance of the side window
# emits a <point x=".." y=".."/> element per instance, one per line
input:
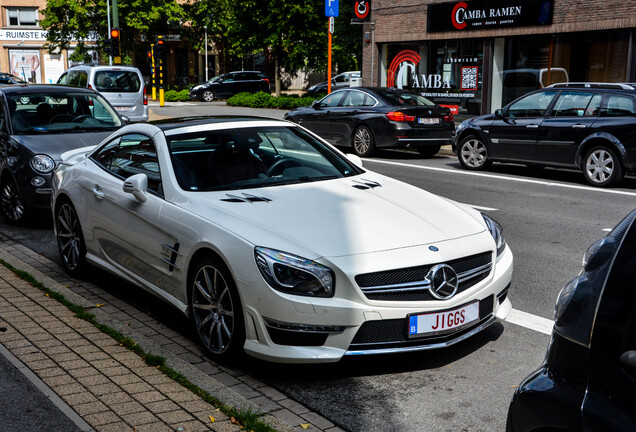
<point x="332" y="100"/>
<point x="129" y="155"/>
<point x="572" y="104"/>
<point x="354" y="98"/>
<point x="63" y="79"/>
<point x="618" y="106"/>
<point x="368" y="101"/>
<point x="534" y="105"/>
<point x="73" y="78"/>
<point x="83" y="79"/>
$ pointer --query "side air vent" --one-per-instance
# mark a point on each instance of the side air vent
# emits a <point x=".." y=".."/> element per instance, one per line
<point x="245" y="198"/>
<point x="365" y="184"/>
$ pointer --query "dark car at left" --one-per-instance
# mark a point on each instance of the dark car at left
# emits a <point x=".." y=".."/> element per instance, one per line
<point x="37" y="124"/>
<point x="367" y="118"/>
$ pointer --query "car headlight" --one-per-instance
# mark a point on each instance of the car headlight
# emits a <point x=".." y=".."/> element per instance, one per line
<point x="293" y="274"/>
<point x="496" y="230"/>
<point x="461" y="126"/>
<point x="42" y="163"/>
<point x="196" y="87"/>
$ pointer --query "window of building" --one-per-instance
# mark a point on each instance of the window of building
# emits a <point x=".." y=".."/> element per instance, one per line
<point x="22" y="16"/>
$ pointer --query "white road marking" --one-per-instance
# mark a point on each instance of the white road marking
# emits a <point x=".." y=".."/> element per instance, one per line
<point x="500" y="177"/>
<point x="532" y="322"/>
<point x="606" y="229"/>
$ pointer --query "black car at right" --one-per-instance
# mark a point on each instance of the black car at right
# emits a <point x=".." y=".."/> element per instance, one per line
<point x="588" y="379"/>
<point x="587" y="126"/>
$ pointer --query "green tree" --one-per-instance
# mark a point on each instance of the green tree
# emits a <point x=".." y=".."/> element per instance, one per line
<point x="81" y="20"/>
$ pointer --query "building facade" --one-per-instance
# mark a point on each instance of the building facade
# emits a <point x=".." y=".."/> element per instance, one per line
<point x="475" y="56"/>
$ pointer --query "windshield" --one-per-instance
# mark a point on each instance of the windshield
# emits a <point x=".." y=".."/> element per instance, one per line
<point x="253" y="157"/>
<point x="404" y="98"/>
<point x="60" y="112"/>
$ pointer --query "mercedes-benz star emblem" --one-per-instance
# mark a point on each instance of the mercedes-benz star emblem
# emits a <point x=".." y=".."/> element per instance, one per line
<point x="443" y="280"/>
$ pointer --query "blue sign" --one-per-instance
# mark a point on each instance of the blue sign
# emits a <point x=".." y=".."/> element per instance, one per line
<point x="331" y="8"/>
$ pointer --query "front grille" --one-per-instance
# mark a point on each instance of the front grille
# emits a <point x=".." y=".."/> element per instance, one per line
<point x="410" y="284"/>
<point x="392" y="333"/>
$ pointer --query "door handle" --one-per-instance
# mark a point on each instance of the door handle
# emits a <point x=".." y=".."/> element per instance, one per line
<point x="579" y="126"/>
<point x="532" y="126"/>
<point x="98" y="192"/>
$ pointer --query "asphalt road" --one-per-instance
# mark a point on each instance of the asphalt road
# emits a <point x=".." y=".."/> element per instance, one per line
<point x="550" y="217"/>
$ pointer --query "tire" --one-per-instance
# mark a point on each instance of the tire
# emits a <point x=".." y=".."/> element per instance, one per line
<point x="428" y="151"/>
<point x="363" y="142"/>
<point x="472" y="154"/>
<point x="70" y="241"/>
<point x="216" y="310"/>
<point x="602" y="167"/>
<point x="207" y="96"/>
<point x="11" y="205"/>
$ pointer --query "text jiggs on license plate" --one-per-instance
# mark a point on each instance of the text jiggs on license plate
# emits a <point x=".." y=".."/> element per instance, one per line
<point x="436" y="322"/>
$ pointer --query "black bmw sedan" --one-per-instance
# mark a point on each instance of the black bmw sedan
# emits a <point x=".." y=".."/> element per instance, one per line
<point x="37" y="124"/>
<point x="588" y="379"/>
<point x="367" y="118"/>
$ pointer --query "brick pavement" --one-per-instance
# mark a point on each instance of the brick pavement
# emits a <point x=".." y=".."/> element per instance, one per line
<point x="111" y="387"/>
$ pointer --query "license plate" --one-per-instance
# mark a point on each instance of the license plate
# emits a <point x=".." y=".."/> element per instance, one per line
<point x="121" y="108"/>
<point x="428" y="120"/>
<point x="422" y="324"/>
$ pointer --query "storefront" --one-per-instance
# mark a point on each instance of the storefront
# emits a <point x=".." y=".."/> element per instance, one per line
<point x="477" y="56"/>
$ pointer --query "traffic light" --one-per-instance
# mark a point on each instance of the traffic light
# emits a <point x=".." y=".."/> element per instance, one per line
<point x="160" y="52"/>
<point x="115" y="42"/>
<point x="149" y="57"/>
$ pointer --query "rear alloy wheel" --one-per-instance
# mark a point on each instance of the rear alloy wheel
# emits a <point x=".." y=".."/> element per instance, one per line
<point x="70" y="241"/>
<point x="11" y="204"/>
<point x="207" y="96"/>
<point x="216" y="309"/>
<point x="472" y="154"/>
<point x="363" y="142"/>
<point x="601" y="167"/>
<point x="428" y="151"/>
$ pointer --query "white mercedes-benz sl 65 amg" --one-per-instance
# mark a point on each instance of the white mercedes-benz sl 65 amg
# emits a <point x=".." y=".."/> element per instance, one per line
<point x="277" y="244"/>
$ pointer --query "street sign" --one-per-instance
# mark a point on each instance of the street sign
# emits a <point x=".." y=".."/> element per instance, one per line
<point x="331" y="24"/>
<point x="331" y="8"/>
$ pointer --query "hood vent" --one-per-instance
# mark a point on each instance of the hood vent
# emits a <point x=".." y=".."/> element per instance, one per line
<point x="366" y="184"/>
<point x="246" y="198"/>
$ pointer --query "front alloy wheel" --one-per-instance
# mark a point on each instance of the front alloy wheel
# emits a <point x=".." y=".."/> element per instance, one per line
<point x="70" y="242"/>
<point x="11" y="204"/>
<point x="216" y="309"/>
<point x="602" y="167"/>
<point x="363" y="143"/>
<point x="472" y="154"/>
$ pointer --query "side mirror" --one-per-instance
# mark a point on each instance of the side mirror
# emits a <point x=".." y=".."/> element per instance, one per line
<point x="137" y="185"/>
<point x="357" y="161"/>
<point x="126" y="119"/>
<point x="316" y="104"/>
<point x="499" y="113"/>
<point x="628" y="358"/>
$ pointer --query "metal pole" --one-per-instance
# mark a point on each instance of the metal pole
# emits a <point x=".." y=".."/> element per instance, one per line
<point x="110" y="55"/>
<point x="329" y="56"/>
<point x="206" y="51"/>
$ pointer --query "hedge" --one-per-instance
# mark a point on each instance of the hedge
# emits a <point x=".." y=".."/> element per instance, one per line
<point x="266" y="100"/>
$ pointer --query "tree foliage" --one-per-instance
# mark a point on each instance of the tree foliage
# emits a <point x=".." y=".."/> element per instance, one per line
<point x="292" y="33"/>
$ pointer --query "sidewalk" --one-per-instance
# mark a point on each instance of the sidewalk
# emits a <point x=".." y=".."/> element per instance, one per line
<point x="110" y="387"/>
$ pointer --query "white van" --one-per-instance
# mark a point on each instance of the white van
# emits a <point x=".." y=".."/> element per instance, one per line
<point x="123" y="86"/>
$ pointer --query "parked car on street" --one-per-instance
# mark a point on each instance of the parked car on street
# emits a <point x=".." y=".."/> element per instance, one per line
<point x="123" y="86"/>
<point x="588" y="379"/>
<point x="229" y="84"/>
<point x="37" y="124"/>
<point x="342" y="80"/>
<point x="366" y="118"/>
<point x="259" y="232"/>
<point x="587" y="126"/>
<point x="7" y="78"/>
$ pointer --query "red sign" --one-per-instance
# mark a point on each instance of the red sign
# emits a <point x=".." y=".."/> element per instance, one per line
<point x="453" y="108"/>
<point x="361" y="10"/>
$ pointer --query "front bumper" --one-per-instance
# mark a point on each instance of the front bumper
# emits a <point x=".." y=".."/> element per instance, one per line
<point x="296" y="329"/>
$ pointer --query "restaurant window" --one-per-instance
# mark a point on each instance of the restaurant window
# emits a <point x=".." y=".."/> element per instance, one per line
<point x="534" y="62"/>
<point x="448" y="72"/>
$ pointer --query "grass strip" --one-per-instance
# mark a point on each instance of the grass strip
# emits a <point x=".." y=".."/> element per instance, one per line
<point x="247" y="419"/>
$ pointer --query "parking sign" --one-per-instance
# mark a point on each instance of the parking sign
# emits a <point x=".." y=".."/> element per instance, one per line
<point x="331" y="8"/>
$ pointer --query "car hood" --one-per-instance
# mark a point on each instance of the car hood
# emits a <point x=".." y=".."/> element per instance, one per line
<point x="341" y="217"/>
<point x="54" y="144"/>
